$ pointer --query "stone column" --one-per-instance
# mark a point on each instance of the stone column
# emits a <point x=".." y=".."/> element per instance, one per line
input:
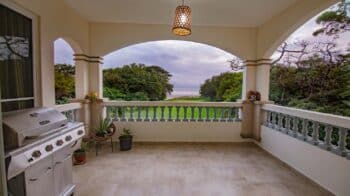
<point x="96" y="86"/>
<point x="262" y="75"/>
<point x="81" y="75"/>
<point x="88" y="78"/>
<point x="95" y="76"/>
<point x="256" y="77"/>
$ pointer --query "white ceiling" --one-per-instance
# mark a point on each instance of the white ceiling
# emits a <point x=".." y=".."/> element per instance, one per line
<point x="243" y="13"/>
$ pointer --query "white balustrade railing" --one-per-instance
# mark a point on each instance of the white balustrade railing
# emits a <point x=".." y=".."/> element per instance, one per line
<point x="330" y="132"/>
<point x="69" y="110"/>
<point x="167" y="111"/>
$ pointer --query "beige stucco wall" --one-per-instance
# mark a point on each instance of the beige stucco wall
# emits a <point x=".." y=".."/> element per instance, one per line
<point x="274" y="32"/>
<point x="55" y="20"/>
<point x="327" y="169"/>
<point x="183" y="131"/>
<point x="108" y="37"/>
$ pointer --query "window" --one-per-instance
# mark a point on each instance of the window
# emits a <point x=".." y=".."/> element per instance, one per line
<point x="16" y="61"/>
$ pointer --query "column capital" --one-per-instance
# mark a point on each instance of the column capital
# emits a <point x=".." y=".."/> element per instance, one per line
<point x="87" y="58"/>
<point x="257" y="62"/>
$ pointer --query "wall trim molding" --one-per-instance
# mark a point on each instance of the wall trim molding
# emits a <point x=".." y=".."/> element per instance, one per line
<point x="258" y="62"/>
<point x="87" y="58"/>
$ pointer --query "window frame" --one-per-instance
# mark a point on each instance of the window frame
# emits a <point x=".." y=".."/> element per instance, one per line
<point x="35" y="52"/>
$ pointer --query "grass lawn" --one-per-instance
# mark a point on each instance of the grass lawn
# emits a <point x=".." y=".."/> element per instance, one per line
<point x="189" y="99"/>
<point x="181" y="114"/>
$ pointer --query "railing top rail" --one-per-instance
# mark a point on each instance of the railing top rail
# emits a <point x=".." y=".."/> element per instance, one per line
<point x="68" y="107"/>
<point x="172" y="103"/>
<point x="331" y="119"/>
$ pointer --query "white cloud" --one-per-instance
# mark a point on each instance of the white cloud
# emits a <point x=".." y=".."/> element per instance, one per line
<point x="63" y="52"/>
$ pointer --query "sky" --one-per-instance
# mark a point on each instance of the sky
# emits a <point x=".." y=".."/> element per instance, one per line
<point x="189" y="63"/>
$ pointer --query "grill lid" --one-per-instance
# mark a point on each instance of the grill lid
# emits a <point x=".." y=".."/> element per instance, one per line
<point x="31" y="123"/>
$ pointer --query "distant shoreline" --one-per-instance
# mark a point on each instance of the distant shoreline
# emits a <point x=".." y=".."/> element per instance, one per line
<point x="183" y="94"/>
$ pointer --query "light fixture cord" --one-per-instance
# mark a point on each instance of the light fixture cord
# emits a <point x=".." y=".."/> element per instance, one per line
<point x="183" y="2"/>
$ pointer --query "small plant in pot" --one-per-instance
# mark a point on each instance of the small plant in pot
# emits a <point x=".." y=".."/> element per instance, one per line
<point x="80" y="154"/>
<point x="103" y="128"/>
<point x="125" y="140"/>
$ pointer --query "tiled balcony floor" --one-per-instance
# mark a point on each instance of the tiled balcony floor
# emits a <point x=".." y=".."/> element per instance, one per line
<point x="183" y="169"/>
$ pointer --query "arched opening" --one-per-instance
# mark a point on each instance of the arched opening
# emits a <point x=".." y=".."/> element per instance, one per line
<point x="171" y="70"/>
<point x="64" y="71"/>
<point x="311" y="68"/>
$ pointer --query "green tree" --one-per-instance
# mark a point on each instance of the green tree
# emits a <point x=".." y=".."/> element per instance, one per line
<point x="317" y="77"/>
<point x="316" y="85"/>
<point x="137" y="82"/>
<point x="334" y="21"/>
<point x="224" y="87"/>
<point x="64" y="83"/>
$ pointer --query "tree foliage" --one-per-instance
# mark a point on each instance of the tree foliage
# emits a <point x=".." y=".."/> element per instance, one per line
<point x="224" y="87"/>
<point x="334" y="21"/>
<point x="317" y="85"/>
<point x="315" y="76"/>
<point x="137" y="82"/>
<point x="64" y="83"/>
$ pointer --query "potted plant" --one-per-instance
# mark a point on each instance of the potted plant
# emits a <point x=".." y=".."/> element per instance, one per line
<point x="80" y="154"/>
<point x="104" y="128"/>
<point x="93" y="96"/>
<point x="125" y="140"/>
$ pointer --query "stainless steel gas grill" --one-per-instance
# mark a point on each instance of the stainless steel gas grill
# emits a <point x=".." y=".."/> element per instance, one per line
<point x="39" y="145"/>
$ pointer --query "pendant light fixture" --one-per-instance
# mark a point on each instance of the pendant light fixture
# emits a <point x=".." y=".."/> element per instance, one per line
<point x="182" y="20"/>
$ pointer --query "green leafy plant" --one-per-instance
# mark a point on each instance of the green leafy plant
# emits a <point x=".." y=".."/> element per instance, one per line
<point x="125" y="133"/>
<point x="103" y="127"/>
<point x="83" y="147"/>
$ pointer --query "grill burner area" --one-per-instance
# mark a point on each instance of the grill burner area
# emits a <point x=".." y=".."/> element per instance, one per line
<point x="39" y="145"/>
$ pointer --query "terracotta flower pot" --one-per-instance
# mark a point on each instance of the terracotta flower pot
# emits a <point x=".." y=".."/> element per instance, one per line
<point x="79" y="157"/>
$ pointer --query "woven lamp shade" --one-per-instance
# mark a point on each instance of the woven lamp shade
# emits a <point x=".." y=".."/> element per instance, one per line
<point x="182" y="20"/>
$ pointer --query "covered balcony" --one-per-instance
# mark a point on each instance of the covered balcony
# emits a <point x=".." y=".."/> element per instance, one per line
<point x="184" y="148"/>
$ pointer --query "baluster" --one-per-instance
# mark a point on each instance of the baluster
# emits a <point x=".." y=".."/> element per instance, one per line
<point x="237" y="118"/>
<point x="200" y="119"/>
<point x="222" y="116"/>
<point x="147" y="114"/>
<point x="315" y="132"/>
<point x="185" y="114"/>
<point x="328" y="137"/>
<point x="215" y="115"/>
<point x="287" y="129"/>
<point x="207" y="114"/>
<point x="139" y="109"/>
<point x="131" y="114"/>
<point x="295" y="126"/>
<point x="170" y="110"/>
<point x="162" y="113"/>
<point x="304" y="129"/>
<point x="273" y="121"/>
<point x="268" y="119"/>
<point x="108" y="113"/>
<point x="279" y="122"/>
<point x="74" y="115"/>
<point x="123" y="113"/>
<point x="192" y="114"/>
<point x="230" y="114"/>
<point x="177" y="111"/>
<point x="154" y="113"/>
<point x="116" y="116"/>
<point x="342" y="141"/>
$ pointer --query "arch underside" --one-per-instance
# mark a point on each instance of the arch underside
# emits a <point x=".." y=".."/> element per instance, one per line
<point x="244" y="42"/>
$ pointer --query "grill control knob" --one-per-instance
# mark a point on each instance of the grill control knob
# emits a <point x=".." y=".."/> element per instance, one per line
<point x="59" y="142"/>
<point x="49" y="148"/>
<point x="80" y="132"/>
<point x="36" y="154"/>
<point x="68" y="138"/>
